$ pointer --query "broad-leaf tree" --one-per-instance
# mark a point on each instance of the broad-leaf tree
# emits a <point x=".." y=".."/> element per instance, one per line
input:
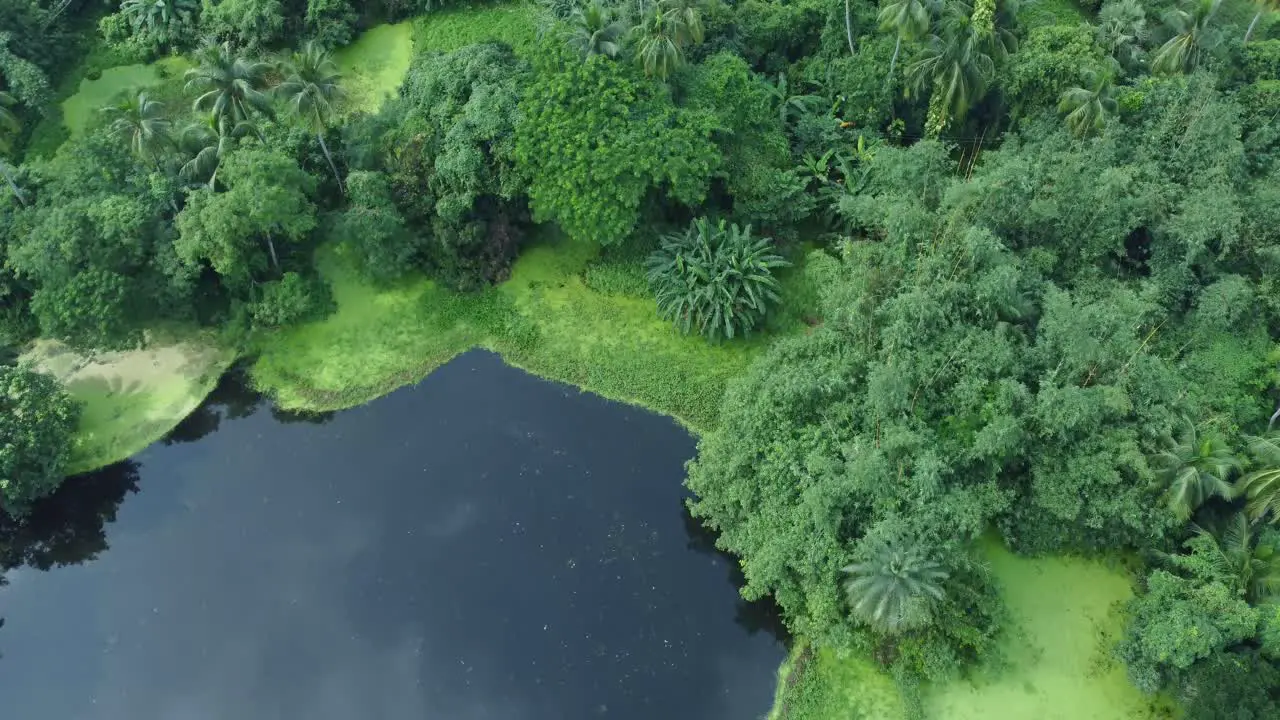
<point x="37" y="419"/>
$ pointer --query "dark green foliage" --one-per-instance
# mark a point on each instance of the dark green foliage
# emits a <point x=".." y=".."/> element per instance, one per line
<point x="716" y="280"/>
<point x="150" y="26"/>
<point x="37" y="418"/>
<point x="448" y="152"/>
<point x="252" y="24"/>
<point x="1236" y="685"/>
<point x="242" y="232"/>
<point x="372" y="228"/>
<point x="594" y="138"/>
<point x="331" y="23"/>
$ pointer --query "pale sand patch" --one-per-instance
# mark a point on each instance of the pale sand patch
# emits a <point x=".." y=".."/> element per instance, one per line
<point x="133" y="397"/>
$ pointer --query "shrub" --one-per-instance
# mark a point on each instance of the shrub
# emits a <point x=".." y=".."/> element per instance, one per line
<point x="291" y="299"/>
<point x="715" y="278"/>
<point x="37" y="419"/>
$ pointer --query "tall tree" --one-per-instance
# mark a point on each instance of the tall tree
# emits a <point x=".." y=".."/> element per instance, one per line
<point x="1087" y="108"/>
<point x="229" y="84"/>
<point x="686" y="17"/>
<point x="1238" y="555"/>
<point x="594" y="30"/>
<point x="1194" y="38"/>
<point x="1264" y="6"/>
<point x="311" y="88"/>
<point x="162" y="21"/>
<point x="141" y="121"/>
<point x="9" y="127"/>
<point x="1261" y="487"/>
<point x="658" y="47"/>
<point x="957" y="64"/>
<point x="893" y="590"/>
<point x="206" y="142"/>
<point x="908" y="19"/>
<point x="37" y="419"/>
<point x="1194" y="468"/>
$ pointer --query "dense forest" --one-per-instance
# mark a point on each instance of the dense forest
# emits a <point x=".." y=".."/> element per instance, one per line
<point x="1040" y="244"/>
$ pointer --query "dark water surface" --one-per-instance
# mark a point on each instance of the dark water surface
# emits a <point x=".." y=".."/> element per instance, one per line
<point x="484" y="546"/>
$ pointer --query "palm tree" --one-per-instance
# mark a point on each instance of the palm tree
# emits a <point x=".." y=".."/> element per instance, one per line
<point x="957" y="63"/>
<point x="162" y="20"/>
<point x="1264" y="6"/>
<point x="1261" y="488"/>
<point x="141" y="120"/>
<point x="1194" y="37"/>
<point x="685" y="16"/>
<point x="594" y="30"/>
<point x="228" y="84"/>
<point x="311" y="88"/>
<point x="908" y="19"/>
<point x="207" y="142"/>
<point x="895" y="588"/>
<point x="1122" y="30"/>
<point x="9" y="126"/>
<point x="1194" y="469"/>
<point x="1234" y="553"/>
<point x="658" y="49"/>
<point x="1087" y="108"/>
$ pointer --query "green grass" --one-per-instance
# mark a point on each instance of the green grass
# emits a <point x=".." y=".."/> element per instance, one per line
<point x="79" y="110"/>
<point x="1034" y="13"/>
<point x="131" y="399"/>
<point x="545" y="319"/>
<point x="514" y="24"/>
<point x="1065" y="614"/>
<point x="374" y="66"/>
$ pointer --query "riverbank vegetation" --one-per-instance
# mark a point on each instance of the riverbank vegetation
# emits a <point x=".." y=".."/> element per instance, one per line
<point x="1032" y="282"/>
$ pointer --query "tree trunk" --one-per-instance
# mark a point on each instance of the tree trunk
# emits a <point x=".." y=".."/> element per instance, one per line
<point x="275" y="261"/>
<point x="848" y="27"/>
<point x="1249" y="33"/>
<point x="327" y="156"/>
<point x="894" y="62"/>
<point x="1274" y="417"/>
<point x="13" y="186"/>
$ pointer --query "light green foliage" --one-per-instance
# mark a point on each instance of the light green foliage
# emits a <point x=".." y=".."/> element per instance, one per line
<point x="593" y="138"/>
<point x="241" y="231"/>
<point x="1048" y="62"/>
<point x="544" y="318"/>
<point x="374" y="66"/>
<point x="511" y="23"/>
<point x="36" y="421"/>
<point x="716" y="280"/>
<point x="252" y="24"/>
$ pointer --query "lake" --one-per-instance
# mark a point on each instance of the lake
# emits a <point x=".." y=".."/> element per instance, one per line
<point x="485" y="545"/>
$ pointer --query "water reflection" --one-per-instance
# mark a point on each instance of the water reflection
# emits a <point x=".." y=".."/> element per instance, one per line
<point x="484" y="546"/>
<point x="760" y="616"/>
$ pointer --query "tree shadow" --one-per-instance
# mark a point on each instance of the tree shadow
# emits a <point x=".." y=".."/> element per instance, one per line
<point x="762" y="615"/>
